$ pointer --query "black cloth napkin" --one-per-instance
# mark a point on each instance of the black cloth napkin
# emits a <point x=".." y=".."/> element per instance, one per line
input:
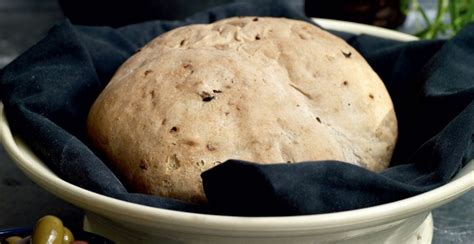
<point x="48" y="90"/>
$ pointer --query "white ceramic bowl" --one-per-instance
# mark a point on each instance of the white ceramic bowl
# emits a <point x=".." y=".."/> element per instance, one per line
<point x="405" y="221"/>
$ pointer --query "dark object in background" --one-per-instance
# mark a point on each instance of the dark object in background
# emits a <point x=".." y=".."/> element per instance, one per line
<point x="122" y="12"/>
<point x="384" y="13"/>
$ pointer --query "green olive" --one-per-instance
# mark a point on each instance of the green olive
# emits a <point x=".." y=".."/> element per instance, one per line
<point x="48" y="230"/>
<point x="13" y="239"/>
<point x="67" y="237"/>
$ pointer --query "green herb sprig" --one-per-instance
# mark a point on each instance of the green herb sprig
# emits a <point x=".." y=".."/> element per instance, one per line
<point x="458" y="13"/>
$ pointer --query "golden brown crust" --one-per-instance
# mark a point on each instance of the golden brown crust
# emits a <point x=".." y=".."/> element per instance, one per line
<point x="269" y="90"/>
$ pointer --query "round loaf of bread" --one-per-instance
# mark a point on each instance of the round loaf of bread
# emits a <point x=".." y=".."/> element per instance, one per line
<point x="267" y="90"/>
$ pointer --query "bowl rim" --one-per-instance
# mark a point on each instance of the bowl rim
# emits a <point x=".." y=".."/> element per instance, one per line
<point x="36" y="170"/>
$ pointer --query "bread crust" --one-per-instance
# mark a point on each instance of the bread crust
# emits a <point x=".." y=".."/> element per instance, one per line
<point x="267" y="90"/>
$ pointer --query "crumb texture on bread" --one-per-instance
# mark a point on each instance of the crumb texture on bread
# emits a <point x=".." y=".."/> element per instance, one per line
<point x="268" y="90"/>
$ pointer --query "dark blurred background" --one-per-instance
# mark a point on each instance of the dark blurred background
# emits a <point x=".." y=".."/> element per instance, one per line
<point x="386" y="13"/>
<point x="24" y="22"/>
